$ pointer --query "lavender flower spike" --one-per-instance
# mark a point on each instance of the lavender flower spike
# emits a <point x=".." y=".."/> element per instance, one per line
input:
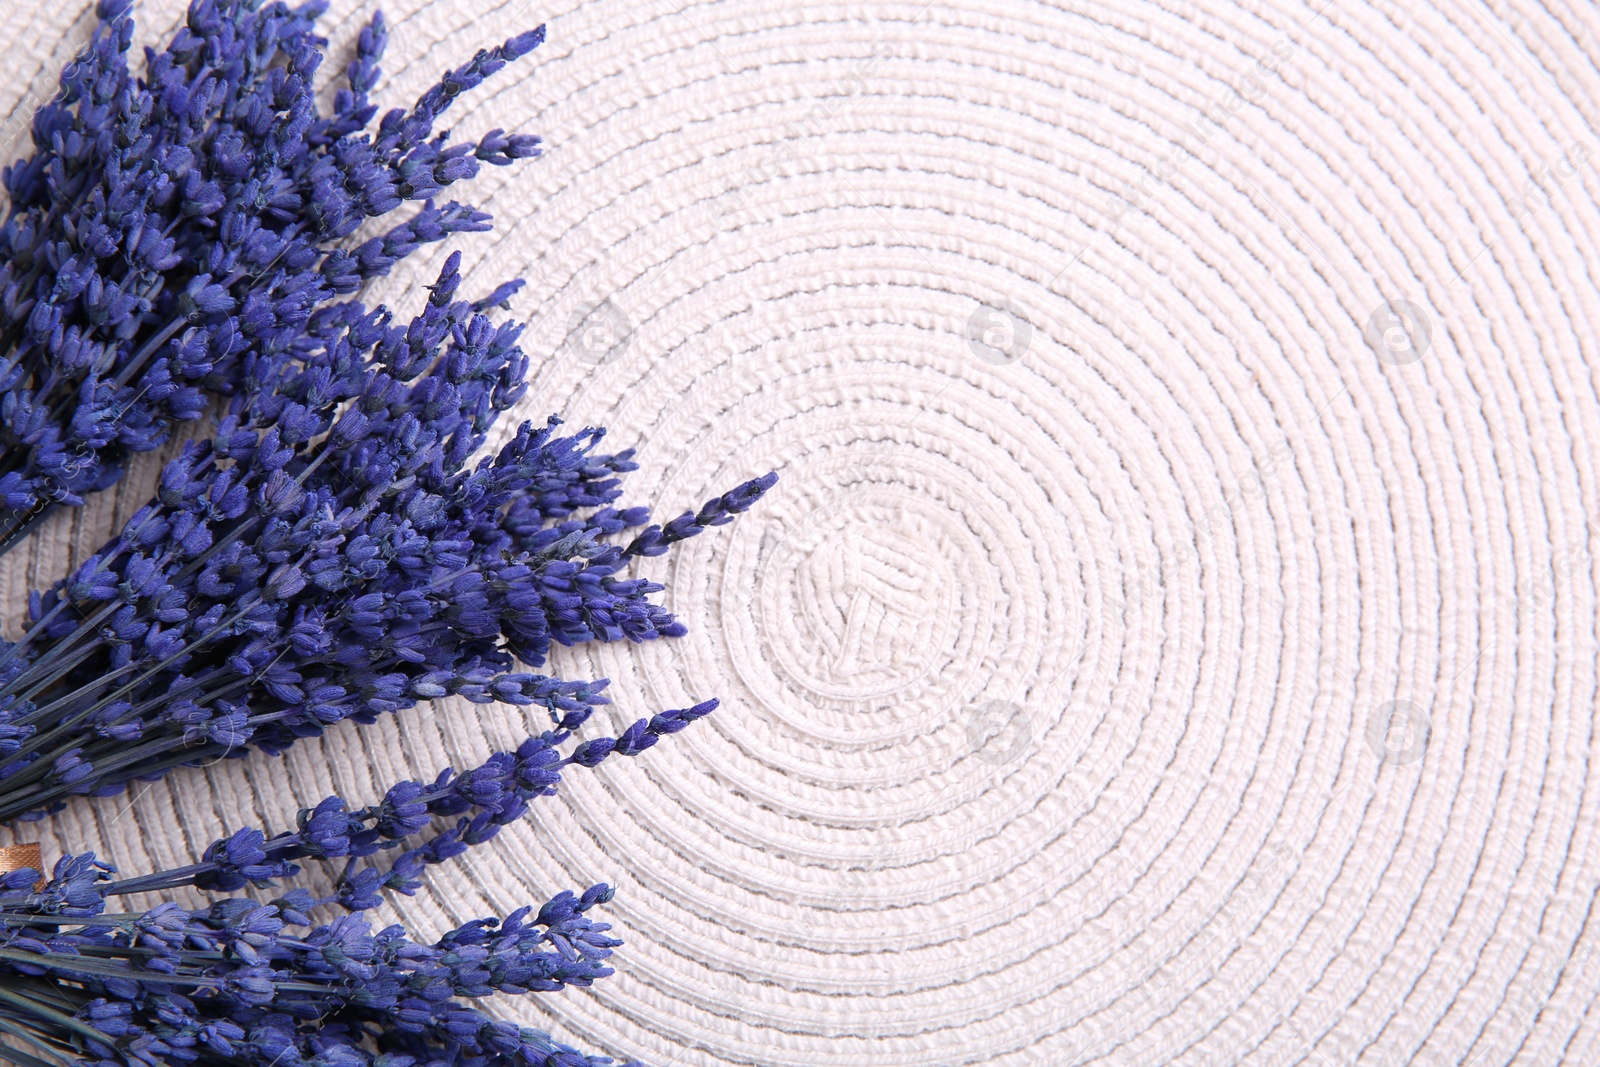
<point x="486" y="798"/>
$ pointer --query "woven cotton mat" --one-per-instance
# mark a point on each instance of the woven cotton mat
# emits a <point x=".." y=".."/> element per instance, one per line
<point x="1173" y="638"/>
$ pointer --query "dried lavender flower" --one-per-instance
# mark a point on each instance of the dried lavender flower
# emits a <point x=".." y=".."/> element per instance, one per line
<point x="235" y="984"/>
<point x="330" y="552"/>
<point x="330" y="555"/>
<point x="171" y="230"/>
<point x="232" y="983"/>
<point x="486" y="798"/>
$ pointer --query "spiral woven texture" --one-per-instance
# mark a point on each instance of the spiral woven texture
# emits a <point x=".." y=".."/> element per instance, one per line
<point x="1173" y="637"/>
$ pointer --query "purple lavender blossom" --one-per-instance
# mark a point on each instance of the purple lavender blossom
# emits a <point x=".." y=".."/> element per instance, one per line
<point x="233" y="983"/>
<point x="329" y="555"/>
<point x="484" y="799"/>
<point x="331" y="552"/>
<point x="171" y="231"/>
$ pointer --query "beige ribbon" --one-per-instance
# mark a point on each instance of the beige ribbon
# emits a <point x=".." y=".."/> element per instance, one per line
<point x="22" y="857"/>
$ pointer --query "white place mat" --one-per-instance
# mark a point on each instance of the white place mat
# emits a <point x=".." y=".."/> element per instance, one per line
<point x="1169" y="400"/>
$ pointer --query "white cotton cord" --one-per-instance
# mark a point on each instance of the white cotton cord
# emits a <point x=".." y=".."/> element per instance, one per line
<point x="1172" y="639"/>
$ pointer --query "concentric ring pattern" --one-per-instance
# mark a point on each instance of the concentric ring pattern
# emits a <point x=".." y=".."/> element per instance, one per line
<point x="1172" y="639"/>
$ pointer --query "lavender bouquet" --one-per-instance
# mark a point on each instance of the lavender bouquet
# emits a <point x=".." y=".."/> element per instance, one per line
<point x="234" y="983"/>
<point x="180" y="242"/>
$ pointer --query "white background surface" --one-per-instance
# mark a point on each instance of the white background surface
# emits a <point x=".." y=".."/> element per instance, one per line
<point x="1048" y="671"/>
